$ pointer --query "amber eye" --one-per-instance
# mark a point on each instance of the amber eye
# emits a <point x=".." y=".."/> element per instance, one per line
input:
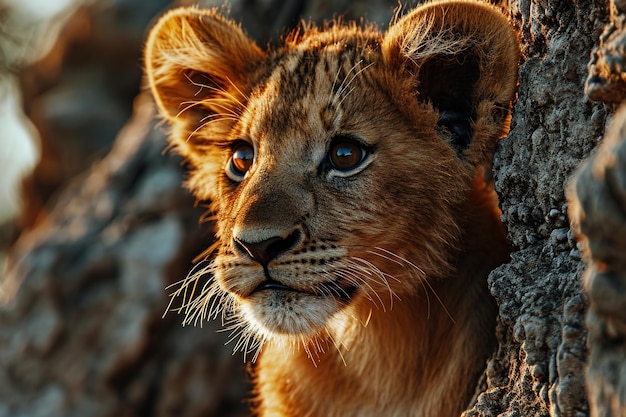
<point x="346" y="154"/>
<point x="240" y="161"/>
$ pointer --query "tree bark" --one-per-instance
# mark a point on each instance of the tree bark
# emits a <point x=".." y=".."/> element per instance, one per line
<point x="81" y="330"/>
<point x="598" y="215"/>
<point x="539" y="367"/>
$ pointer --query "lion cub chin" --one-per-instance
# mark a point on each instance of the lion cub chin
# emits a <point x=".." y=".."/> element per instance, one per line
<point x="346" y="170"/>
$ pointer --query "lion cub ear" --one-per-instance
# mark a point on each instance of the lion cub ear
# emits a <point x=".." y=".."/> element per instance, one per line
<point x="463" y="57"/>
<point x="198" y="64"/>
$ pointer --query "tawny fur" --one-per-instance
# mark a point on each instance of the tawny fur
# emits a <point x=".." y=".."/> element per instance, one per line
<point x="384" y="308"/>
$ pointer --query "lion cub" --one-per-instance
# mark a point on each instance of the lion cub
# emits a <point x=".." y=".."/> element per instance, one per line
<point x="346" y="172"/>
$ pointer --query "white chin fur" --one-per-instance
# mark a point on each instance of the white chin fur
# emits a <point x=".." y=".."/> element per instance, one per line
<point x="276" y="312"/>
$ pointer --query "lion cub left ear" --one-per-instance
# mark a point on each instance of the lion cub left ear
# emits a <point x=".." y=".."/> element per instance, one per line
<point x="198" y="65"/>
<point x="463" y="57"/>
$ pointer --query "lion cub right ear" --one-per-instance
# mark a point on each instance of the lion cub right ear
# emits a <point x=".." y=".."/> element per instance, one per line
<point x="462" y="56"/>
<point x="198" y="64"/>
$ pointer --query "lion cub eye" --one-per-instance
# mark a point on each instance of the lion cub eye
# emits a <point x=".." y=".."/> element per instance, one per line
<point x="346" y="154"/>
<point x="240" y="161"/>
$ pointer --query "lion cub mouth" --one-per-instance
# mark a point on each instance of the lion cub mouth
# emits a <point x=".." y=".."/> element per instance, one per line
<point x="295" y="296"/>
<point x="336" y="289"/>
<point x="270" y="284"/>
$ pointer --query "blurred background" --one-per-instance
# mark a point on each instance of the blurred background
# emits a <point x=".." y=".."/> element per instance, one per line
<point x="70" y="70"/>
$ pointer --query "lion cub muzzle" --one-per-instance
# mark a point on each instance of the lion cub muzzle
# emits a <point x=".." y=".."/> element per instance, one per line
<point x="287" y="280"/>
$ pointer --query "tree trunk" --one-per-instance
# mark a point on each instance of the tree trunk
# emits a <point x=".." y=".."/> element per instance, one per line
<point x="81" y="330"/>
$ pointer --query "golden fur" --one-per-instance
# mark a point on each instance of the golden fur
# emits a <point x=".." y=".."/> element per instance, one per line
<point x="346" y="170"/>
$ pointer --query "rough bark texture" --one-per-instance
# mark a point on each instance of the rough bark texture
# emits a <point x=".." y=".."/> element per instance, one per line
<point x="598" y="215"/>
<point x="83" y="335"/>
<point x="599" y="211"/>
<point x="538" y="369"/>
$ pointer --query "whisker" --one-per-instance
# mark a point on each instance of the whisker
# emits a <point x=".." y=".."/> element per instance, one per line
<point x="345" y="97"/>
<point x="401" y="260"/>
<point x="369" y="317"/>
<point x="203" y="125"/>
<point x="338" y="349"/>
<point x="221" y="91"/>
<point x="337" y="95"/>
<point x="208" y="251"/>
<point x="343" y="82"/>
<point x="361" y="281"/>
<point x="343" y="87"/>
<point x="213" y="103"/>
<point x="245" y="96"/>
<point x="439" y="299"/>
<point x="332" y="88"/>
<point x="383" y="277"/>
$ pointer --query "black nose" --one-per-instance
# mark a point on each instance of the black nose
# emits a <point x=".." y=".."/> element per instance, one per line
<point x="266" y="250"/>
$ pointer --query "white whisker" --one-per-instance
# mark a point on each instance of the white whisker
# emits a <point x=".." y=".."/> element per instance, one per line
<point x="332" y="89"/>
<point x="245" y="96"/>
<point x="403" y="261"/>
<point x="359" y="275"/>
<point x="380" y="274"/>
<point x="345" y="85"/>
<point x="220" y="91"/>
<point x="342" y="86"/>
<point x="203" y="125"/>
<point x="398" y="259"/>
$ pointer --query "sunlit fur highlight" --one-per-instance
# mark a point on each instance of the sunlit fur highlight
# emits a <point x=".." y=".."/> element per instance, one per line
<point x="388" y="312"/>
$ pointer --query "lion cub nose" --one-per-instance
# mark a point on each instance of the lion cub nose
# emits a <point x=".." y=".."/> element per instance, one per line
<point x="266" y="250"/>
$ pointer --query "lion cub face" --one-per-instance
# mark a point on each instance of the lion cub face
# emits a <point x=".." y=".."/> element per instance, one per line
<point x="318" y="197"/>
<point x="337" y="165"/>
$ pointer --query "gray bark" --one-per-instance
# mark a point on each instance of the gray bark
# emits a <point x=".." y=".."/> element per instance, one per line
<point x="598" y="215"/>
<point x="538" y="369"/>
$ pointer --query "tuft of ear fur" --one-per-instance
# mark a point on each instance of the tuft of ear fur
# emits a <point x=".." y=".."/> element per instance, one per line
<point x="198" y="65"/>
<point x="463" y="57"/>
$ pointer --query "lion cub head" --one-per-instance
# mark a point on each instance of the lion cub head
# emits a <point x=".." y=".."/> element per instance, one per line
<point x="338" y="164"/>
